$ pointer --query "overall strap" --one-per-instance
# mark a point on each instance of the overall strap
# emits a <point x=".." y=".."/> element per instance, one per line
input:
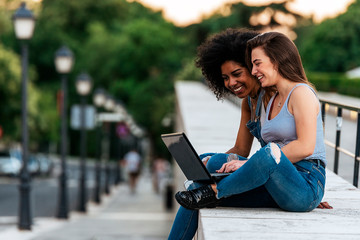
<point x="259" y="103"/>
<point x="249" y="102"/>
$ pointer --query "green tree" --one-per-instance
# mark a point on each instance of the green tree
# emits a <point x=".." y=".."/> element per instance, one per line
<point x="139" y="67"/>
<point x="10" y="96"/>
<point x="128" y="49"/>
<point x="41" y="105"/>
<point x="334" y="44"/>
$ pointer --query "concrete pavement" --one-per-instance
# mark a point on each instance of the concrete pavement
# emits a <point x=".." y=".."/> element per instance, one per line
<point x="119" y="216"/>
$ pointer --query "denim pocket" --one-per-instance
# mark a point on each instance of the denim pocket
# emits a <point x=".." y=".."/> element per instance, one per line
<point x="318" y="195"/>
<point x="321" y="185"/>
<point x="302" y="169"/>
<point x="322" y="173"/>
<point x="317" y="181"/>
<point x="320" y="178"/>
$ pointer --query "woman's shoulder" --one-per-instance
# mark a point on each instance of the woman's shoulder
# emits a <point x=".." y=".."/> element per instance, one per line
<point x="301" y="89"/>
<point x="304" y="95"/>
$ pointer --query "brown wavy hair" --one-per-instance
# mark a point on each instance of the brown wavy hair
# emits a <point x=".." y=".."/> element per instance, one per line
<point x="282" y="53"/>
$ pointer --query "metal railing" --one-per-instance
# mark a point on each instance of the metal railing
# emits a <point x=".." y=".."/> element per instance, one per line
<point x="336" y="146"/>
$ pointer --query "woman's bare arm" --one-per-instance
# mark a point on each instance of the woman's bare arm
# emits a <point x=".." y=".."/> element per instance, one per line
<point x="244" y="138"/>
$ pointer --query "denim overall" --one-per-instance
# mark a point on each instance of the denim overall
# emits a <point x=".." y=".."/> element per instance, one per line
<point x="254" y="125"/>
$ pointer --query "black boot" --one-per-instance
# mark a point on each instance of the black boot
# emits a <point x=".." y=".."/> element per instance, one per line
<point x="198" y="198"/>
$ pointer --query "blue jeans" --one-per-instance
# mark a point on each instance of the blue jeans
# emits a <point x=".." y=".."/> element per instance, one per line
<point x="295" y="187"/>
<point x="261" y="182"/>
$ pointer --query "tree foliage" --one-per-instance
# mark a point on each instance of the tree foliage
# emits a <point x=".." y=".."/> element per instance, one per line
<point x="39" y="105"/>
<point x="334" y="44"/>
<point x="238" y="15"/>
<point x="10" y="93"/>
<point x="128" y="49"/>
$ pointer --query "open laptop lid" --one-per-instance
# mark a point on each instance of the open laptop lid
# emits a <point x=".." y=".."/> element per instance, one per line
<point x="186" y="157"/>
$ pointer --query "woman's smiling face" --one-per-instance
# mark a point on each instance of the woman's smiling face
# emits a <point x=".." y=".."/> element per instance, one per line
<point x="238" y="79"/>
<point x="262" y="68"/>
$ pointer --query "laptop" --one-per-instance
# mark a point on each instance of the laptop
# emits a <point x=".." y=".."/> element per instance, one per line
<point x="188" y="160"/>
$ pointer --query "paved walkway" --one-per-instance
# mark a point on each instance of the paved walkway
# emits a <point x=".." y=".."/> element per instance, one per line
<point x="120" y="216"/>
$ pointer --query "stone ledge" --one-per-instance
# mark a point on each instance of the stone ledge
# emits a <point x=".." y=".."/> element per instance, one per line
<point x="251" y="223"/>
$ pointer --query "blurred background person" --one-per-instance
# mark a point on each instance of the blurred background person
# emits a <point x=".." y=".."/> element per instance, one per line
<point x="160" y="174"/>
<point x="132" y="165"/>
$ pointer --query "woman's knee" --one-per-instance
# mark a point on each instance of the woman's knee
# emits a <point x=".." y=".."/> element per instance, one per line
<point x="276" y="153"/>
<point x="216" y="161"/>
<point x="206" y="155"/>
<point x="271" y="152"/>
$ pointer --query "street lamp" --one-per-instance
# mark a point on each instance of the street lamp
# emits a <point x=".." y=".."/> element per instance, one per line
<point x="99" y="101"/>
<point x="64" y="59"/>
<point x="24" y="24"/>
<point x="109" y="106"/>
<point x="83" y="87"/>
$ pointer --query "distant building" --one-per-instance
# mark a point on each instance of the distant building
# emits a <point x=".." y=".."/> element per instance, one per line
<point x="353" y="73"/>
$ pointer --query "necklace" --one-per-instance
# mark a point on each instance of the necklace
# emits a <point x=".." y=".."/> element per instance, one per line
<point x="279" y="103"/>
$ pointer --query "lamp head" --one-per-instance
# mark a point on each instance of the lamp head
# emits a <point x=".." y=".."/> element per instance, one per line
<point x="64" y="59"/>
<point x="24" y="23"/>
<point x="83" y="84"/>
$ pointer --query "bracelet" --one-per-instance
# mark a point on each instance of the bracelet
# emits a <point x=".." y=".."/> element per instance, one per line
<point x="231" y="156"/>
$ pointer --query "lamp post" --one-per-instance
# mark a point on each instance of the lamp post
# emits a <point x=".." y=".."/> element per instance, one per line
<point x="64" y="59"/>
<point x="83" y="87"/>
<point x="99" y="100"/>
<point x="109" y="106"/>
<point x="24" y="24"/>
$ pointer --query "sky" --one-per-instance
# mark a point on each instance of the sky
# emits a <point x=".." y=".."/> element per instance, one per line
<point x="185" y="12"/>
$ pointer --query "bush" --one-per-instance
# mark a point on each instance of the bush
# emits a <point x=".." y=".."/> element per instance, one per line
<point x="335" y="82"/>
<point x="350" y="87"/>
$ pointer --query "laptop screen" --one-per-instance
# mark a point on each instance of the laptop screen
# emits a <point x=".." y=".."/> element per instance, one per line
<point x="186" y="156"/>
